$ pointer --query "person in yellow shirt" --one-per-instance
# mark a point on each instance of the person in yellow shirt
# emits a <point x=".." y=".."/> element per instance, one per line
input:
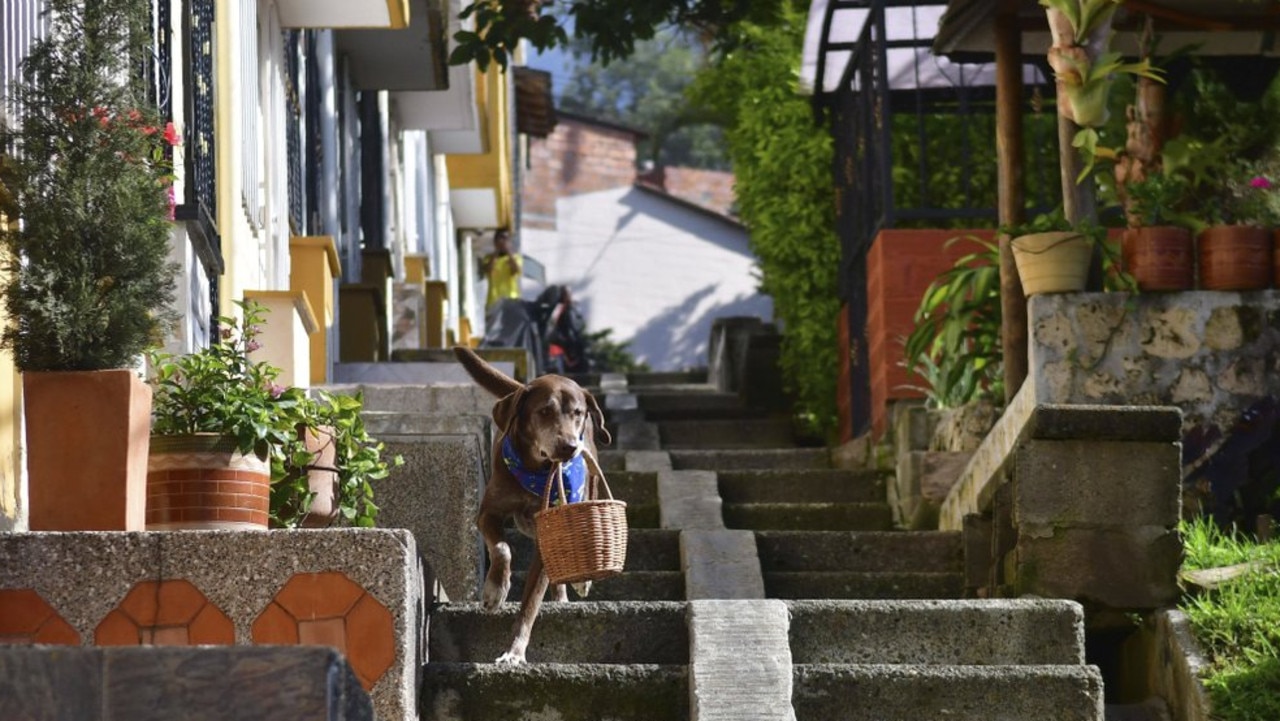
<point x="502" y="269"/>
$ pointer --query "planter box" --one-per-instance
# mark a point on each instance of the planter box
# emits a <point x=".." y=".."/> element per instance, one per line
<point x="88" y="433"/>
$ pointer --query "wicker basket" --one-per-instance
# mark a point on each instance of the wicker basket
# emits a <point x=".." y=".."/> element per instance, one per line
<point x="584" y="541"/>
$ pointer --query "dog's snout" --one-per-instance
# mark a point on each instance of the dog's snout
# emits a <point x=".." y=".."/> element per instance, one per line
<point x="566" y="447"/>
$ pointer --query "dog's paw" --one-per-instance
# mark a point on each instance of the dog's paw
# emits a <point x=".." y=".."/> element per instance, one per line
<point x="582" y="589"/>
<point x="494" y="594"/>
<point x="510" y="658"/>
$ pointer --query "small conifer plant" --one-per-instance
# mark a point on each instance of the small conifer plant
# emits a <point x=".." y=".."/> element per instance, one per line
<point x="84" y="171"/>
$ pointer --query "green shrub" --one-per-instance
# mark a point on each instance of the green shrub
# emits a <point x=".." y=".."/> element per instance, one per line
<point x="782" y="167"/>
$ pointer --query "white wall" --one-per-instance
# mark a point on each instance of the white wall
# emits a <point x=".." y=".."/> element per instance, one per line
<point x="654" y="271"/>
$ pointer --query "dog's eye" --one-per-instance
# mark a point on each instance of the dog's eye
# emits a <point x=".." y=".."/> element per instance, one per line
<point x="547" y="410"/>
<point x="578" y="412"/>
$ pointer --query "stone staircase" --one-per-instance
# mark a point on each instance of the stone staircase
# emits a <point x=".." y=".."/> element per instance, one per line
<point x="761" y="583"/>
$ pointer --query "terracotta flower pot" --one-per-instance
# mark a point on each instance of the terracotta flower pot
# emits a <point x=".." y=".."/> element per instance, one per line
<point x="1056" y="262"/>
<point x="87" y="434"/>
<point x="201" y="481"/>
<point x="1159" y="257"/>
<point x="1235" y="257"/>
<point x="322" y="478"/>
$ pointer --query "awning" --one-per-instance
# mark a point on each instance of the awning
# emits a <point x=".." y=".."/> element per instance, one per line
<point x="535" y="106"/>
<point x="909" y="68"/>
<point x="411" y="58"/>
<point x="1213" y="27"/>
<point x="343" y="13"/>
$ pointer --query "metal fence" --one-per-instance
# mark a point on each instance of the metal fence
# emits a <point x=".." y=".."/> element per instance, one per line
<point x="914" y="141"/>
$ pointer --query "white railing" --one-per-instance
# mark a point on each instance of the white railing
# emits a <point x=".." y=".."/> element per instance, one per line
<point x="21" y="24"/>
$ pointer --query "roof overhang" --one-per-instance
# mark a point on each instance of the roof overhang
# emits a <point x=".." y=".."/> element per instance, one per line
<point x="412" y="58"/>
<point x="535" y="106"/>
<point x="1212" y="27"/>
<point x="474" y="207"/>
<point x="343" y="13"/>
<point x="451" y="116"/>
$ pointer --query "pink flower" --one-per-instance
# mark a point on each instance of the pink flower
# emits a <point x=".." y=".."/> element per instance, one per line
<point x="1261" y="182"/>
<point x="171" y="135"/>
<point x="252" y="346"/>
<point x="276" y="390"/>
<point x="173" y="202"/>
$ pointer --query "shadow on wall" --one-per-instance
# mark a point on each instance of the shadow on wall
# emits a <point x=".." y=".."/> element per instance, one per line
<point x="677" y="338"/>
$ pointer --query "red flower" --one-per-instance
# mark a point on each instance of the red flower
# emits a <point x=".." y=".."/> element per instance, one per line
<point x="171" y="135"/>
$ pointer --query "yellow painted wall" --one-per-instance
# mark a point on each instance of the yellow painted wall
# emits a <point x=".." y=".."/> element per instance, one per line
<point x="491" y="169"/>
<point x="12" y="495"/>
<point x="240" y="245"/>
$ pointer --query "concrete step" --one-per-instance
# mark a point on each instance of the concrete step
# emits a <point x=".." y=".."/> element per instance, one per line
<point x="564" y="692"/>
<point x="746" y="433"/>
<point x="802" y="486"/>
<point x="612" y="459"/>
<point x="970" y="632"/>
<point x="648" y="549"/>
<point x="640" y="491"/>
<point x="629" y="586"/>
<point x="862" y="551"/>
<point x="855" y="585"/>
<point x="950" y="693"/>
<point x="757" y="459"/>
<point x="579" y="632"/>
<point x="691" y="404"/>
<point x="809" y="516"/>
<point x="652" y="571"/>
<point x="666" y="378"/>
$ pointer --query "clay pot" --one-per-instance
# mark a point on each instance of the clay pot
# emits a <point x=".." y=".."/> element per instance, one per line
<point x="1056" y="262"/>
<point x="1159" y="257"/>
<point x="322" y="478"/>
<point x="1235" y="257"/>
<point x="201" y="481"/>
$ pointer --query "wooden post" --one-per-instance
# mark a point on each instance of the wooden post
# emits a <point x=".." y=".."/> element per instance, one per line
<point x="1011" y="193"/>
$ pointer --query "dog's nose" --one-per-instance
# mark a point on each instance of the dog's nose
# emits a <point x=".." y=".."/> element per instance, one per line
<point x="566" y="447"/>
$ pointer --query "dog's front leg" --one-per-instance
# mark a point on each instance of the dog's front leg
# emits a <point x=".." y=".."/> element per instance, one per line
<point x="535" y="587"/>
<point x="497" y="582"/>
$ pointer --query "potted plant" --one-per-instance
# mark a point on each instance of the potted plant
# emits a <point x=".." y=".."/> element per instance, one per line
<point x="954" y="346"/>
<point x="87" y="280"/>
<point x="1085" y="67"/>
<point x="1157" y="247"/>
<point x="1236" y="249"/>
<point x="332" y="481"/>
<point x="221" y="421"/>
<point x="1052" y="254"/>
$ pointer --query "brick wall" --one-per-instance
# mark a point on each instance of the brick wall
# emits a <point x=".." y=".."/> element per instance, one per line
<point x="900" y="266"/>
<point x="578" y="157"/>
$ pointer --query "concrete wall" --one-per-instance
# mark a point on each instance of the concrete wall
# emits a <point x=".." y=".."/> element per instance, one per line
<point x="1212" y="354"/>
<point x="358" y="590"/>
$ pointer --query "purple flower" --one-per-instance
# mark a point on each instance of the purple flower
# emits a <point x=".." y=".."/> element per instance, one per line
<point x="276" y="390"/>
<point x="252" y="346"/>
<point x="1261" y="182"/>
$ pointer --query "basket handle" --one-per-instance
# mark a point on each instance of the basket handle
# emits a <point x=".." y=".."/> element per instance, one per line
<point x="558" y="472"/>
<point x="596" y="473"/>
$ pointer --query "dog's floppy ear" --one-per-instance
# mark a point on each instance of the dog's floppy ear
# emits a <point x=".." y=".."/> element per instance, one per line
<point x="507" y="410"/>
<point x="593" y="410"/>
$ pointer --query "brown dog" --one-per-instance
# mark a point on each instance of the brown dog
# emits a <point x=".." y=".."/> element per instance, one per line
<point x="552" y="420"/>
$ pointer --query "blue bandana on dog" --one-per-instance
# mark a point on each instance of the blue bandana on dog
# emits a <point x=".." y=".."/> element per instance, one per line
<point x="535" y="482"/>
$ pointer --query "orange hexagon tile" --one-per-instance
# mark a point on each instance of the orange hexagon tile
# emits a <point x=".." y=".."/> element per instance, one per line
<point x="332" y="610"/>
<point x="26" y="618"/>
<point x="165" y="613"/>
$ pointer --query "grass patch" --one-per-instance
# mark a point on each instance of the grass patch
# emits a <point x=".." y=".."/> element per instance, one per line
<point x="1238" y="623"/>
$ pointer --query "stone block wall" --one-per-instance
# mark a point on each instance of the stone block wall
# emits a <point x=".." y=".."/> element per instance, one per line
<point x="208" y="683"/>
<point x="1095" y="513"/>
<point x="1214" y="355"/>
<point x="357" y="590"/>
